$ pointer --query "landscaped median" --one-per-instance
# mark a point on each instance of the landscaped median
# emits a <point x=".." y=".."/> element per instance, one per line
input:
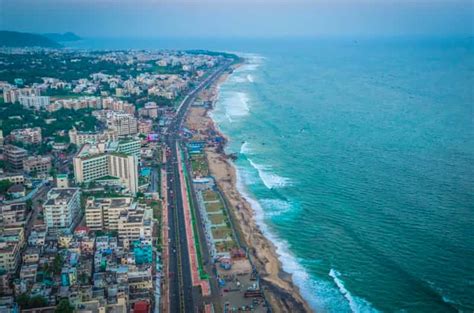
<point x="199" y="277"/>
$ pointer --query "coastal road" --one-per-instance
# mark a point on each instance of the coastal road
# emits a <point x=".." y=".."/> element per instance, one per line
<point x="183" y="296"/>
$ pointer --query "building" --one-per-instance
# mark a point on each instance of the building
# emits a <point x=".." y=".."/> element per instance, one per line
<point x="14" y="156"/>
<point x="80" y="138"/>
<point x="9" y="257"/>
<point x="62" y="181"/>
<point x="14" y="178"/>
<point x="61" y="208"/>
<point x="135" y="225"/>
<point x="13" y="214"/>
<point x="145" y="126"/>
<point x="27" y="135"/>
<point x="104" y="213"/>
<point x="41" y="165"/>
<point x="95" y="162"/>
<point x="13" y="95"/>
<point x="11" y="242"/>
<point x="125" y="124"/>
<point x="34" y="102"/>
<point x="127" y="146"/>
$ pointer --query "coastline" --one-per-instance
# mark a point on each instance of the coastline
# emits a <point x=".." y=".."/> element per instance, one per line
<point x="280" y="291"/>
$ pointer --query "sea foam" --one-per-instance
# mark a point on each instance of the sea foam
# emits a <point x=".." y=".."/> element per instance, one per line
<point x="356" y="304"/>
<point x="270" y="179"/>
<point x="236" y="105"/>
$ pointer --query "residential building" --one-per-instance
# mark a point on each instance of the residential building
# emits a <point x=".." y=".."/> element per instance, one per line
<point x="104" y="213"/>
<point x="62" y="181"/>
<point x="80" y="138"/>
<point x="14" y="156"/>
<point x="135" y="225"/>
<point x="34" y="102"/>
<point x="41" y="165"/>
<point x="13" y="95"/>
<point x="145" y="126"/>
<point x="9" y="256"/>
<point x="27" y="135"/>
<point x="125" y="124"/>
<point x="61" y="208"/>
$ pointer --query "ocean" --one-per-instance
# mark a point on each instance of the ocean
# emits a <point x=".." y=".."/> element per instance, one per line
<point x="358" y="158"/>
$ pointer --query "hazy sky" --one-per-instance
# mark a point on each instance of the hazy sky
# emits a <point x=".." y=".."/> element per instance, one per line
<point x="243" y="18"/>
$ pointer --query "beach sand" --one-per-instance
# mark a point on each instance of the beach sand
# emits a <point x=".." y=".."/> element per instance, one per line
<point x="280" y="291"/>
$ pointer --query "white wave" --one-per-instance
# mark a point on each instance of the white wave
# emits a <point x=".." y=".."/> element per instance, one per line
<point x="276" y="207"/>
<point x="289" y="263"/>
<point x="250" y="78"/>
<point x="236" y="104"/>
<point x="269" y="179"/>
<point x="356" y="304"/>
<point x="244" y="149"/>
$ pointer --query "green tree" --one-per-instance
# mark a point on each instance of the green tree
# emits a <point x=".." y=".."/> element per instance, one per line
<point x="64" y="306"/>
<point x="57" y="264"/>
<point x="4" y="185"/>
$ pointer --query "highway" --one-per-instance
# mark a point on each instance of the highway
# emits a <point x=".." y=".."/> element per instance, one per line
<point x="183" y="296"/>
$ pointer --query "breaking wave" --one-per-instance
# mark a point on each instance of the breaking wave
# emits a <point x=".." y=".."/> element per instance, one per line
<point x="356" y="304"/>
<point x="271" y="180"/>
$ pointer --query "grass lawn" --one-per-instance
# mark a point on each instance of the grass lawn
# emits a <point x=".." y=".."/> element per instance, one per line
<point x="199" y="166"/>
<point x="221" y="232"/>
<point x="217" y="219"/>
<point x="214" y="206"/>
<point x="225" y="246"/>
<point x="210" y="195"/>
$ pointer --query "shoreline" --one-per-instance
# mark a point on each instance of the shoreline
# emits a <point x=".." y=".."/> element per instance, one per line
<point x="280" y="291"/>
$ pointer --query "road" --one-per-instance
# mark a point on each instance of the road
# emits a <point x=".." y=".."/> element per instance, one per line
<point x="182" y="295"/>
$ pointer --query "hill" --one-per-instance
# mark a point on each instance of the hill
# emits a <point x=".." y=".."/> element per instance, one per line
<point x="18" y="39"/>
<point x="62" y="37"/>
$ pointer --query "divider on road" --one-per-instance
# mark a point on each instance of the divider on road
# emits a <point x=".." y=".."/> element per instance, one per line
<point x="199" y="277"/>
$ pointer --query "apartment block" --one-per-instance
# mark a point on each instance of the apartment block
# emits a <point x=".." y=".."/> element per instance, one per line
<point x="41" y="165"/>
<point x="61" y="208"/>
<point x="27" y="135"/>
<point x="14" y="156"/>
<point x="34" y="102"/>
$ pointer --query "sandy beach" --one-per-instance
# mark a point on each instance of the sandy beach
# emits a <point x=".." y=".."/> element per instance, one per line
<point x="280" y="290"/>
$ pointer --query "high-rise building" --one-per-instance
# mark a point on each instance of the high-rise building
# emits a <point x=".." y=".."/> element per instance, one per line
<point x="13" y="95"/>
<point x="80" y="138"/>
<point x="124" y="124"/>
<point x="94" y="162"/>
<point x="104" y="213"/>
<point x="34" y="102"/>
<point x="14" y="156"/>
<point x="61" y="208"/>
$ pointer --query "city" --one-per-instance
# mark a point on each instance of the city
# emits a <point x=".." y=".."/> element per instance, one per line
<point x="107" y="202"/>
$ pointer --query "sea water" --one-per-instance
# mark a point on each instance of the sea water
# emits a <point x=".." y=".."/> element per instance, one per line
<point x="358" y="159"/>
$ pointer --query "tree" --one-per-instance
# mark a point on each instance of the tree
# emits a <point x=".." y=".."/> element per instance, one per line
<point x="57" y="264"/>
<point x="4" y="185"/>
<point x="64" y="307"/>
<point x="29" y="204"/>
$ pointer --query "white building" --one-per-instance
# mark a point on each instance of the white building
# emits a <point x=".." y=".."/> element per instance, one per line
<point x="93" y="162"/>
<point x="61" y="208"/>
<point x="34" y="102"/>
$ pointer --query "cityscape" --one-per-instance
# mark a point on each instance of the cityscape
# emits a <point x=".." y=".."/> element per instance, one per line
<point x="210" y="156"/>
<point x="107" y="201"/>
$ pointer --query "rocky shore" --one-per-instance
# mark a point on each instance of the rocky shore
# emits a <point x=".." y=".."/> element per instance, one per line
<point x="280" y="290"/>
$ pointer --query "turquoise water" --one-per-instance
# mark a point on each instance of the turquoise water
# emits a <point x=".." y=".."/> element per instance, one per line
<point x="358" y="157"/>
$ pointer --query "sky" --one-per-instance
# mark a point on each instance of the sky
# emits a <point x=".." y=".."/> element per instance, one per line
<point x="239" y="18"/>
